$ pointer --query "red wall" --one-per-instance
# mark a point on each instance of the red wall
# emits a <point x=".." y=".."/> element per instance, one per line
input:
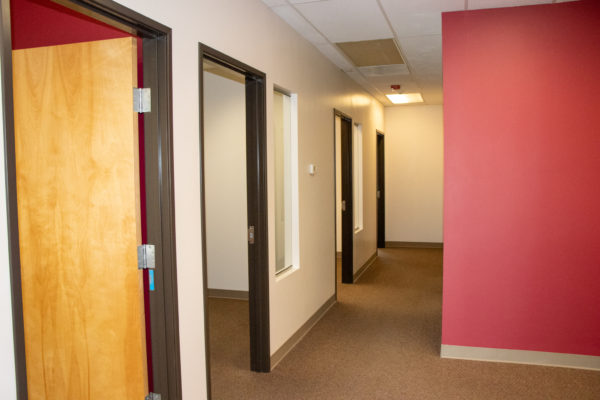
<point x="37" y="23"/>
<point x="522" y="178"/>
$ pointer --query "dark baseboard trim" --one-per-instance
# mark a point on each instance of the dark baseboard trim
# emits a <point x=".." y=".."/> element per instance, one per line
<point x="414" y="245"/>
<point x="365" y="267"/>
<point x="301" y="332"/>
<point x="228" y="294"/>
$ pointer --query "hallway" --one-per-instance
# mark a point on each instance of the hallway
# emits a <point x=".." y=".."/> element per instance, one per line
<point x="381" y="341"/>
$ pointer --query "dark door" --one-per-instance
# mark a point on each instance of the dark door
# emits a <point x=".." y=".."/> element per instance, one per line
<point x="380" y="191"/>
<point x="347" y="196"/>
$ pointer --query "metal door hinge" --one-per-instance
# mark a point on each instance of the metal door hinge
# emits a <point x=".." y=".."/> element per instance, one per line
<point x="343" y="205"/>
<point x="141" y="100"/>
<point x="146" y="256"/>
<point x="152" y="396"/>
<point x="251" y="234"/>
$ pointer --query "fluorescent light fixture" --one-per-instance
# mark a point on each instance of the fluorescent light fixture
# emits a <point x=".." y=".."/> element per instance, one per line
<point x="405" y="98"/>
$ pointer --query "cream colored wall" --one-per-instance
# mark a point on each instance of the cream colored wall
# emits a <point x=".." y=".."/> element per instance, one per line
<point x="7" y="362"/>
<point x="414" y="156"/>
<point x="225" y="183"/>
<point x="250" y="32"/>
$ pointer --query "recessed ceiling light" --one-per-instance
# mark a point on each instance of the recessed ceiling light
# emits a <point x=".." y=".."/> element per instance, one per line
<point x="405" y="98"/>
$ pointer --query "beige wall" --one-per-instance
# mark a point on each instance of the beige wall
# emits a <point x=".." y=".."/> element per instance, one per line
<point x="414" y="173"/>
<point x="248" y="31"/>
<point x="225" y="182"/>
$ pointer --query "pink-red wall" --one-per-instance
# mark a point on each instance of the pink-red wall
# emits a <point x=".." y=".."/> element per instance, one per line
<point x="522" y="178"/>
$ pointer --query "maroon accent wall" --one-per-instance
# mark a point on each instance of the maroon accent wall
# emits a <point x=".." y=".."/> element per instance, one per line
<point x="522" y="178"/>
<point x="37" y="23"/>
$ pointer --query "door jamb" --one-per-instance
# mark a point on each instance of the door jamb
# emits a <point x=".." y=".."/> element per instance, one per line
<point x="256" y="170"/>
<point x="159" y="188"/>
<point x="347" y="183"/>
<point x="380" y="137"/>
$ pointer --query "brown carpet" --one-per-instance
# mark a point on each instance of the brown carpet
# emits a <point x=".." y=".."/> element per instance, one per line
<point x="381" y="341"/>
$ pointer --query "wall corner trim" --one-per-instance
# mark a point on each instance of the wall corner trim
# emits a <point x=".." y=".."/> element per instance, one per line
<point x="365" y="267"/>
<point x="301" y="332"/>
<point x="543" y="358"/>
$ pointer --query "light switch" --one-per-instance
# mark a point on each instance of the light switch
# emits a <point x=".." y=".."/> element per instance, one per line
<point x="312" y="169"/>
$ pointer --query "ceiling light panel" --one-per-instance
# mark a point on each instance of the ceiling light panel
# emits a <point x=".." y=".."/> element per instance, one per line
<point x="297" y="21"/>
<point x="405" y="98"/>
<point x="372" y="52"/>
<point x="479" y="4"/>
<point x="346" y="20"/>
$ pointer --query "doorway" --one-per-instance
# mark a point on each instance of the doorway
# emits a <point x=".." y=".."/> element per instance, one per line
<point x="380" y="190"/>
<point x="255" y="228"/>
<point x="344" y="197"/>
<point x="54" y="157"/>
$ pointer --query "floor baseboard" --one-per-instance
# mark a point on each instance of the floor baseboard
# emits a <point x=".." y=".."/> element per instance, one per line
<point x="365" y="267"/>
<point x="301" y="332"/>
<point x="228" y="294"/>
<point x="521" y="357"/>
<point x="414" y="245"/>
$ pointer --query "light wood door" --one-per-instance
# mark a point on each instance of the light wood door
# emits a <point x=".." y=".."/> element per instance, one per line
<point x="79" y="220"/>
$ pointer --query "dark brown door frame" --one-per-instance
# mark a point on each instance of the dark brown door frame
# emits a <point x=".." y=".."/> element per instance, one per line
<point x="380" y="190"/>
<point x="347" y="197"/>
<point x="256" y="169"/>
<point x="160" y="219"/>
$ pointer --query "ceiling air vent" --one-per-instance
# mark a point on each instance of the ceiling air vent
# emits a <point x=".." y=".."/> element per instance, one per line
<point x="372" y="52"/>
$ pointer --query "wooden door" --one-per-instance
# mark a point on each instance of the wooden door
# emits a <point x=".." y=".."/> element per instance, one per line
<point x="76" y="145"/>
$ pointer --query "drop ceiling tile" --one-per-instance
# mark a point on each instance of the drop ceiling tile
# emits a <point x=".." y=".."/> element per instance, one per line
<point x="346" y="20"/>
<point x="423" y="54"/>
<point x="395" y="6"/>
<point x="335" y="56"/>
<point x="479" y="4"/>
<point x="274" y="3"/>
<point x="297" y="21"/>
<point x="419" y="17"/>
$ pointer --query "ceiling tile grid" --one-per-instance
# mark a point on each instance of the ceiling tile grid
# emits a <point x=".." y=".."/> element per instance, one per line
<point x="346" y="20"/>
<point x="415" y="25"/>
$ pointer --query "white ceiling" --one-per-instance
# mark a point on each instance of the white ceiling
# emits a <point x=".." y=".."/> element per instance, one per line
<point x="416" y="25"/>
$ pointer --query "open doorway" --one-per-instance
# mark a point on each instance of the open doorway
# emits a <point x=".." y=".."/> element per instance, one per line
<point x="344" y="198"/>
<point x="76" y="213"/>
<point x="234" y="214"/>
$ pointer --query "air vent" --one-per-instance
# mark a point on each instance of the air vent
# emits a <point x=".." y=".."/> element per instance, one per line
<point x="372" y="52"/>
<point x="384" y="70"/>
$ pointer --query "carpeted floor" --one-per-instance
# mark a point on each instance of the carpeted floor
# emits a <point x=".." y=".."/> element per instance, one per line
<point x="380" y="341"/>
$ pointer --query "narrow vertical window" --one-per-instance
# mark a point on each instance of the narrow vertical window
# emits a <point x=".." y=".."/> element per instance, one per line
<point x="357" y="162"/>
<point x="286" y="174"/>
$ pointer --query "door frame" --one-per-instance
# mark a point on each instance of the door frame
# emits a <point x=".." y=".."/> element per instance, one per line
<point x="380" y="151"/>
<point x="160" y="205"/>
<point x="256" y="171"/>
<point x="347" y="195"/>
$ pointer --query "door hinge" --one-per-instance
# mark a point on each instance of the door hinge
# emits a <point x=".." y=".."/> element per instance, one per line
<point x="146" y="256"/>
<point x="141" y="100"/>
<point x="343" y="205"/>
<point x="251" y="234"/>
<point x="152" y="396"/>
